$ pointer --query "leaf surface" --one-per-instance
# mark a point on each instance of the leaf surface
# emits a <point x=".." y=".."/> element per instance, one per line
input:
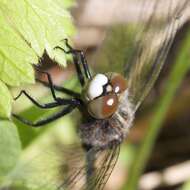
<point x="28" y="29"/>
<point x="10" y="147"/>
<point x="5" y="101"/>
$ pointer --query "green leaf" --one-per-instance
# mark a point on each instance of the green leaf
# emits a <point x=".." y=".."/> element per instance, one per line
<point x="5" y="101"/>
<point x="182" y="65"/>
<point x="40" y="150"/>
<point x="44" y="24"/>
<point x="186" y="186"/>
<point x="65" y="4"/>
<point x="28" y="28"/>
<point x="15" y="56"/>
<point x="10" y="147"/>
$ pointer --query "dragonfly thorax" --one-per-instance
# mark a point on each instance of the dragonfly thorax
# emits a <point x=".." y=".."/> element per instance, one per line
<point x="102" y="94"/>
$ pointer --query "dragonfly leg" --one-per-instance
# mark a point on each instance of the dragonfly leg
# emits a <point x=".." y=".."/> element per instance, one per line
<point x="60" y="89"/>
<point x="58" y="102"/>
<point x="82" y="59"/>
<point x="77" y="61"/>
<point x="50" y="84"/>
<point x="47" y="120"/>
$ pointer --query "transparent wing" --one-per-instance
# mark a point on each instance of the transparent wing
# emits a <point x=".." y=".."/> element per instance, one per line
<point x="153" y="45"/>
<point x="106" y="170"/>
<point x="96" y="172"/>
<point x="65" y="168"/>
<point x="139" y="48"/>
<point x="48" y="169"/>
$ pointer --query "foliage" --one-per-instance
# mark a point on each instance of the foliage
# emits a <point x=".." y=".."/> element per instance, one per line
<point x="28" y="28"/>
<point x="186" y="186"/>
<point x="10" y="147"/>
<point x="5" y="101"/>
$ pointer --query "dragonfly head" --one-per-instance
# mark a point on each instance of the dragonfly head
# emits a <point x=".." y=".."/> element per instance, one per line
<point x="102" y="94"/>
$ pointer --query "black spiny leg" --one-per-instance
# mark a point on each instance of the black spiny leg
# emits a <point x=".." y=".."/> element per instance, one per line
<point x="50" y="85"/>
<point x="55" y="87"/>
<point x="43" y="106"/>
<point x="77" y="66"/>
<point x="58" y="102"/>
<point x="47" y="120"/>
<point x="71" y="104"/>
<point x="60" y="89"/>
<point x="82" y="59"/>
<point x="85" y="65"/>
<point x="78" y="58"/>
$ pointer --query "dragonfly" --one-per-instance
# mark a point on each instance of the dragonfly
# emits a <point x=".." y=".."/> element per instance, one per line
<point x="108" y="103"/>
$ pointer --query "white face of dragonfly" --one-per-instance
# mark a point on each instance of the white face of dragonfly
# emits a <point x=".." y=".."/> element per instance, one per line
<point x="96" y="86"/>
<point x="102" y="94"/>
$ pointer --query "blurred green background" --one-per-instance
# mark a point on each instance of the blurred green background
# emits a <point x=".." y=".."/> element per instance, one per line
<point x="156" y="154"/>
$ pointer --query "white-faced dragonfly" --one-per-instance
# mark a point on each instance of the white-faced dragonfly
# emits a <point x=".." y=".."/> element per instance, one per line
<point x="108" y="103"/>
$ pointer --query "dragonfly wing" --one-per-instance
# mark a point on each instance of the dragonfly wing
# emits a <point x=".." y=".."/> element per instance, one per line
<point x="96" y="172"/>
<point x="106" y="163"/>
<point x="65" y="168"/>
<point x="48" y="169"/>
<point x="153" y="45"/>
<point x="139" y="48"/>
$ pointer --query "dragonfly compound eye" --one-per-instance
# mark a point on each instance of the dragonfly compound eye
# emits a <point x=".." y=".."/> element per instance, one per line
<point x="102" y="101"/>
<point x="103" y="106"/>
<point x="117" y="81"/>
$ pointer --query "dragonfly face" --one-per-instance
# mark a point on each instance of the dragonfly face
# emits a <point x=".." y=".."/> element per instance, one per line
<point x="102" y="94"/>
<point x="106" y="97"/>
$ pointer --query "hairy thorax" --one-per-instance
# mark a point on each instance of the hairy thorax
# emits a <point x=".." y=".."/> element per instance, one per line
<point x="104" y="132"/>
